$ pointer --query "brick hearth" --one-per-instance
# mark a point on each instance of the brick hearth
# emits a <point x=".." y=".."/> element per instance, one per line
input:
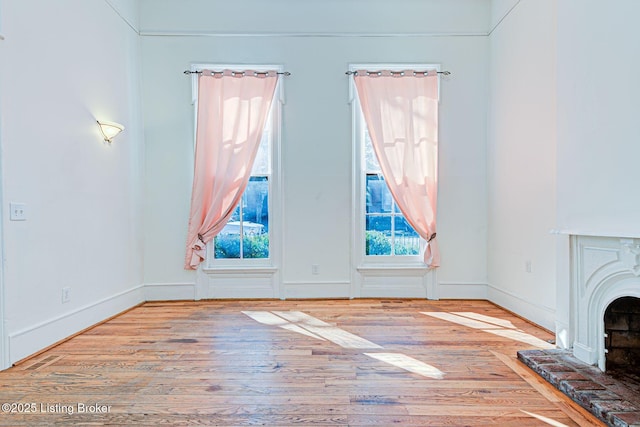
<point x="616" y="401"/>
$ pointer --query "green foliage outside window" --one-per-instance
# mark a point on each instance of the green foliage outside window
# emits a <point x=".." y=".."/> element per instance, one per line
<point x="254" y="246"/>
<point x="379" y="243"/>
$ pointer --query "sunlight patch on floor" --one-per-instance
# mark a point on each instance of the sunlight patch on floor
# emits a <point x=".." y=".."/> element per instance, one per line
<point x="407" y="363"/>
<point x="297" y="321"/>
<point x="267" y="318"/>
<point x="488" y="319"/>
<point x="545" y="419"/>
<point x="332" y="333"/>
<point x="522" y="337"/>
<point x="479" y="321"/>
<point x="464" y="321"/>
<point x="302" y="323"/>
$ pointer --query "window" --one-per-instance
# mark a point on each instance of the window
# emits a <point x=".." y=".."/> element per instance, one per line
<point x="246" y="235"/>
<point x="247" y="238"/>
<point x="382" y="235"/>
<point x="387" y="232"/>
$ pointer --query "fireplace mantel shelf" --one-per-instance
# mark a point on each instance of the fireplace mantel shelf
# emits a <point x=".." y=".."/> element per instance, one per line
<point x="596" y="233"/>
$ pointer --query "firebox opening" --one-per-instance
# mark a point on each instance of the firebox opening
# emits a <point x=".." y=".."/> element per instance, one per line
<point x="622" y="337"/>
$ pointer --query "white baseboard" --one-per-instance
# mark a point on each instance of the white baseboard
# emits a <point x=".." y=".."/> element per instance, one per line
<point x="414" y="292"/>
<point x="34" y="338"/>
<point x="453" y="290"/>
<point x="536" y="313"/>
<point x="169" y="291"/>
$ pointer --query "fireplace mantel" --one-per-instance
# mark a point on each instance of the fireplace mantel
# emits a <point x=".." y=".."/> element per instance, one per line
<point x="603" y="269"/>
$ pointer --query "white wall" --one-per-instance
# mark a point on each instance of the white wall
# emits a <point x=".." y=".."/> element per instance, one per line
<point x="63" y="65"/>
<point x="315" y="16"/>
<point x="598" y="110"/>
<point x="317" y="123"/>
<point x="522" y="161"/>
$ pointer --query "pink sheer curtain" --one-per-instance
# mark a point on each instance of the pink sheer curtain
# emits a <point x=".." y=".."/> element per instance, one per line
<point x="232" y="112"/>
<point x="401" y="111"/>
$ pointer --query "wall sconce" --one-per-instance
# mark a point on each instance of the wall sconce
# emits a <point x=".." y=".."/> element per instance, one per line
<point x="110" y="130"/>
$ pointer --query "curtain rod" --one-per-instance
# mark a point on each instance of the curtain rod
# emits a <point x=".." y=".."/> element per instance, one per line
<point x="284" y="73"/>
<point x="444" y="73"/>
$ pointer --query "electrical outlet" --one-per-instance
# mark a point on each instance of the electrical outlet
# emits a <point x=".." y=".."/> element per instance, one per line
<point x="528" y="267"/>
<point x="17" y="212"/>
<point x="66" y="294"/>
<point x="314" y="269"/>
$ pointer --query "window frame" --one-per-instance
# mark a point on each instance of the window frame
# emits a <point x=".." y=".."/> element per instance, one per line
<point x="359" y="177"/>
<point x="275" y="185"/>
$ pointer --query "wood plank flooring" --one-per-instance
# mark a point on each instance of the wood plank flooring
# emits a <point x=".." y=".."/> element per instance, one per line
<point x="284" y="363"/>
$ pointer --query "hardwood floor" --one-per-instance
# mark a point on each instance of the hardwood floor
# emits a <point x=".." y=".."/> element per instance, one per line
<point x="280" y="363"/>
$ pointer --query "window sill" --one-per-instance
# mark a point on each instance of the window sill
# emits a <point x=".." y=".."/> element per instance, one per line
<point x="231" y="269"/>
<point x="386" y="269"/>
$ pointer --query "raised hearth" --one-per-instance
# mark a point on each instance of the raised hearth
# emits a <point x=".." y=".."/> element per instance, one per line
<point x="614" y="400"/>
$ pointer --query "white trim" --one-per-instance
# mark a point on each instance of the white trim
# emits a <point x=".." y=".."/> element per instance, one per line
<point x="34" y="338"/>
<point x="536" y="313"/>
<point x="594" y="233"/>
<point x="239" y="269"/>
<point x="385" y="269"/>
<point x="396" y="281"/>
<point x="169" y="291"/>
<point x="4" y="339"/>
<point x="463" y="290"/>
<point x="238" y="283"/>
<point x="208" y="33"/>
<point x="328" y="289"/>
<point x="503" y="18"/>
<point x="585" y="354"/>
<point x="603" y="270"/>
<point x="125" y="20"/>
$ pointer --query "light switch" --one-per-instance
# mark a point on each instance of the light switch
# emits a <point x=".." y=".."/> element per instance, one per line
<point x="17" y="212"/>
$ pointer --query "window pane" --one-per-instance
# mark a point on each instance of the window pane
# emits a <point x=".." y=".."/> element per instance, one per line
<point x="227" y="245"/>
<point x="254" y="225"/>
<point x="256" y="246"/>
<point x="255" y="202"/>
<point x="262" y="163"/>
<point x="378" y="234"/>
<point x="379" y="197"/>
<point x="406" y="240"/>
<point x="377" y="243"/>
<point x="371" y="161"/>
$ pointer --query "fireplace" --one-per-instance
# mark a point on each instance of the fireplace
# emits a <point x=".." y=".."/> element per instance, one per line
<point x="605" y="295"/>
<point x="597" y="330"/>
<point x="622" y="337"/>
